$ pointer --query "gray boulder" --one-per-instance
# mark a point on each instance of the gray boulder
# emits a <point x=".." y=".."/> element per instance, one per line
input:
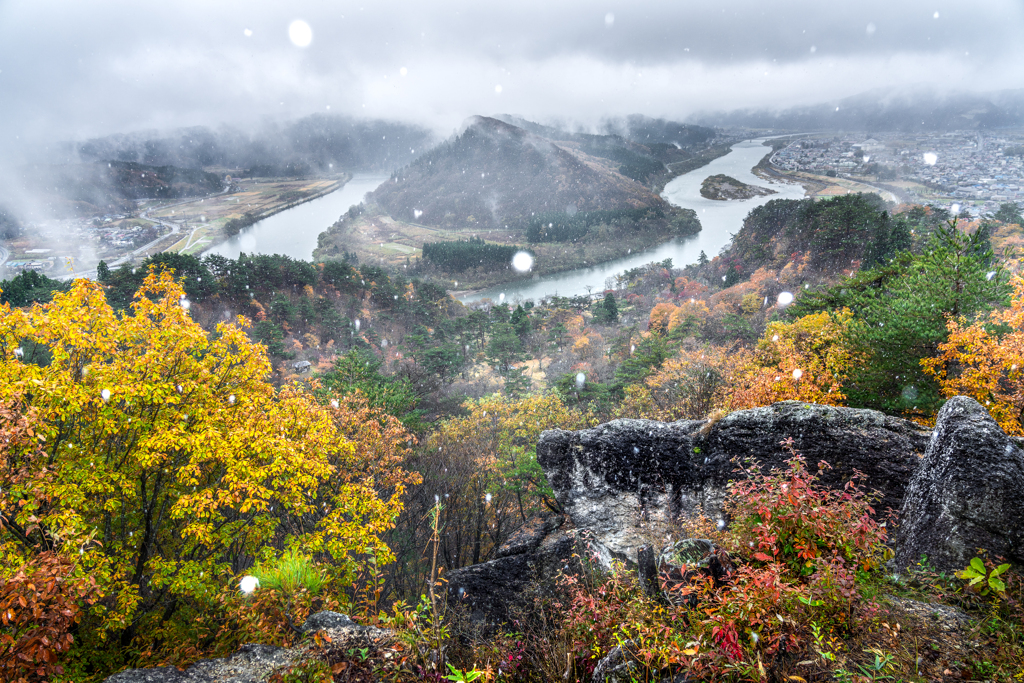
<point x="967" y="494"/>
<point x="255" y="663"/>
<point x="631" y="482"/>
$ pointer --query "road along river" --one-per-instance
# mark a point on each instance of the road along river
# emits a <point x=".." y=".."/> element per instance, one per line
<point x="719" y="221"/>
<point x="294" y="232"/>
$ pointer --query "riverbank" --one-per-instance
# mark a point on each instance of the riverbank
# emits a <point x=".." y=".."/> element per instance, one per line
<point x="552" y="259"/>
<point x="679" y="168"/>
<point x="296" y="233"/>
<point x="820" y="186"/>
<point x="261" y="198"/>
<point x="374" y="237"/>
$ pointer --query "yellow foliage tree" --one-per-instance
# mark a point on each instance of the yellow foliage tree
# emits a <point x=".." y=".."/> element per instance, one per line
<point x="170" y="462"/>
<point x="987" y="365"/>
<point x="805" y="360"/>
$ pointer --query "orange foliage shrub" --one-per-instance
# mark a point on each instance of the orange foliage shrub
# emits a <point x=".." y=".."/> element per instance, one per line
<point x="985" y="365"/>
<point x="684" y="318"/>
<point x="689" y="386"/>
<point x="805" y="360"/>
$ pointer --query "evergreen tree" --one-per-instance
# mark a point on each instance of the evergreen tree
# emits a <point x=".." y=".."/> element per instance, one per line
<point x="901" y="311"/>
<point x="900" y="239"/>
<point x="521" y="322"/>
<point x="611" y="309"/>
<point x="504" y="348"/>
<point x="30" y="287"/>
<point x="361" y="370"/>
<point x="1009" y="212"/>
<point x="647" y="357"/>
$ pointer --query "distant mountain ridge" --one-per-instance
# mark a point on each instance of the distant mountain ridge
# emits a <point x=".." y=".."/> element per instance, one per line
<point x="315" y="144"/>
<point x="907" y="110"/>
<point x="494" y="174"/>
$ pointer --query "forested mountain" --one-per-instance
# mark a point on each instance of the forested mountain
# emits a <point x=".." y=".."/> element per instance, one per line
<point x="495" y="174"/>
<point x="111" y="185"/>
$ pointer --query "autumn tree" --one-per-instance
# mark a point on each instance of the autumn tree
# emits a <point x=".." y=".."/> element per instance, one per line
<point x="986" y="362"/>
<point x="171" y="464"/>
<point x="804" y="360"/>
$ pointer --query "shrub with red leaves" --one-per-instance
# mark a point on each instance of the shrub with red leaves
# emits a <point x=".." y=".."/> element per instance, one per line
<point x="39" y="606"/>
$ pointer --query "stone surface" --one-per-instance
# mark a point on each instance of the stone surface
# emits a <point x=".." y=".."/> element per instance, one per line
<point x="323" y="621"/>
<point x="615" y="667"/>
<point x="525" y="567"/>
<point x="967" y="494"/>
<point x="255" y="663"/>
<point x="631" y="482"/>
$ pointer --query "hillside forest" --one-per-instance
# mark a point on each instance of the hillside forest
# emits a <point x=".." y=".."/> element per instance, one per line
<point x="347" y="433"/>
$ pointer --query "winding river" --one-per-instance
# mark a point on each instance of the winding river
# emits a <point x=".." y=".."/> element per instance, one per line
<point x="294" y="232"/>
<point x="719" y="220"/>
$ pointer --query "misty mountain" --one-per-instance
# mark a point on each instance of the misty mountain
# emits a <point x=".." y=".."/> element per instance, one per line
<point x="311" y="145"/>
<point x="636" y="129"/>
<point x="887" y="110"/>
<point x="87" y="189"/>
<point x="494" y="174"/>
<point x="648" y="131"/>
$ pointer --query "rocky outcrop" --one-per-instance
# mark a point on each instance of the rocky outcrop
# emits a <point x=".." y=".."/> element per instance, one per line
<point x="255" y="663"/>
<point x="967" y="494"/>
<point x="526" y="566"/>
<point x="630" y="482"/>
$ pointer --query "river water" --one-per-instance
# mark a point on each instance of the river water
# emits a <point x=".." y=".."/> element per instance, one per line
<point x="719" y="220"/>
<point x="294" y="232"/>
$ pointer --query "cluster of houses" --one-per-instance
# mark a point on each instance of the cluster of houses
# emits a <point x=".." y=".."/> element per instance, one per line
<point x="969" y="166"/>
<point x="55" y="241"/>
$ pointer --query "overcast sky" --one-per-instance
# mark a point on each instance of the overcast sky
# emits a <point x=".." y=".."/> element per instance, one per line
<point x="79" y="68"/>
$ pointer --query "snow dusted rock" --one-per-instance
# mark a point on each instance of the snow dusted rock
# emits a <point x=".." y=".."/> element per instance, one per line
<point x="967" y="494"/>
<point x="631" y="482"/>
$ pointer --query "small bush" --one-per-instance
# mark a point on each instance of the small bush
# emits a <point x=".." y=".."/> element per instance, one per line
<point x="40" y="605"/>
<point x="292" y="573"/>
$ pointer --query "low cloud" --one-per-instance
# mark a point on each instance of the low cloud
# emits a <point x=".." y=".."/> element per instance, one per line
<point x="72" y="70"/>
